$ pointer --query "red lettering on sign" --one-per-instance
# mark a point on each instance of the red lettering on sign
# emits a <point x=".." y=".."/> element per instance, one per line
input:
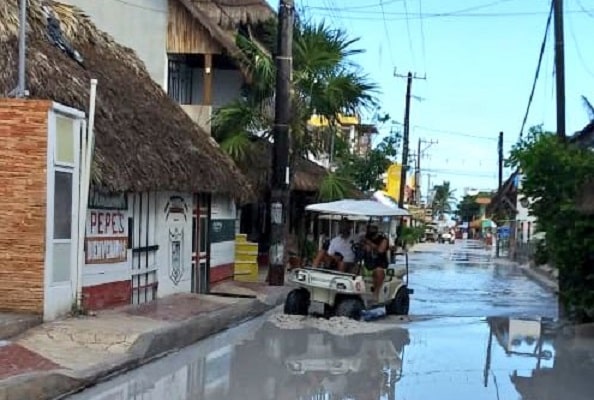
<point x="99" y="223"/>
<point x="93" y="220"/>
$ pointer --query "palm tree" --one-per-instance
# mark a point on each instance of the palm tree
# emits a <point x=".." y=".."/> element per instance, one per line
<point x="325" y="83"/>
<point x="442" y="199"/>
<point x="589" y="107"/>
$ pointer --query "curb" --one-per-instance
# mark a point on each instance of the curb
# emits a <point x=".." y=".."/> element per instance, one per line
<point x="148" y="347"/>
<point x="540" y="277"/>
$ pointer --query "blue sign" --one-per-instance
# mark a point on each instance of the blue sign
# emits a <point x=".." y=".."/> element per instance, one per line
<point x="504" y="232"/>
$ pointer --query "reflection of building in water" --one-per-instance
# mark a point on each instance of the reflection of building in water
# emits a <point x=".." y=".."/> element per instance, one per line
<point x="563" y="367"/>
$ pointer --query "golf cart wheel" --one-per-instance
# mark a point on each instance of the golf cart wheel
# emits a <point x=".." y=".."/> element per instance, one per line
<point x="350" y="308"/>
<point x="297" y="302"/>
<point x="400" y="304"/>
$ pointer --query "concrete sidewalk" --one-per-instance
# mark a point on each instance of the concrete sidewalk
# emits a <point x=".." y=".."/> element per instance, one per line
<point x="57" y="358"/>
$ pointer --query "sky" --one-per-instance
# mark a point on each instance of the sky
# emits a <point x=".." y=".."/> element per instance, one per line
<point x="479" y="58"/>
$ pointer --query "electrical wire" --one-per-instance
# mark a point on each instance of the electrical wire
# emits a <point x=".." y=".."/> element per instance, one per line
<point x="387" y="31"/>
<point x="542" y="49"/>
<point x="410" y="45"/>
<point x="422" y="26"/>
<point x="590" y="13"/>
<point x="577" y="46"/>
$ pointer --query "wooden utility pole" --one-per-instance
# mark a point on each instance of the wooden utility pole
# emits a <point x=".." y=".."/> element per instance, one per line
<point x="279" y="201"/>
<point x="500" y="156"/>
<point x="409" y="78"/>
<point x="403" y="171"/>
<point x="418" y="172"/>
<point x="559" y="67"/>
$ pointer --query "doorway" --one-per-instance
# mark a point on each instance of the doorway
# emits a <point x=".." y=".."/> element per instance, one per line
<point x="201" y="243"/>
<point x="64" y="131"/>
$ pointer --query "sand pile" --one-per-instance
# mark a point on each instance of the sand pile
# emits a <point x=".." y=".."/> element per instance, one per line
<point x="340" y="326"/>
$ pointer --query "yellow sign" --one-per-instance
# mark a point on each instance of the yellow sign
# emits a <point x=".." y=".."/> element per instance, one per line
<point x="393" y="181"/>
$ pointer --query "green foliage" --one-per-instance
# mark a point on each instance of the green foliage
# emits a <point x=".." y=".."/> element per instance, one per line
<point x="366" y="172"/>
<point x="442" y="199"/>
<point x="468" y="209"/>
<point x="325" y="82"/>
<point x="412" y="235"/>
<point x="553" y="172"/>
<point x="334" y="187"/>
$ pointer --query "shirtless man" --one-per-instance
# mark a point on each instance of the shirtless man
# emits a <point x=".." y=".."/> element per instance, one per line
<point x="375" y="246"/>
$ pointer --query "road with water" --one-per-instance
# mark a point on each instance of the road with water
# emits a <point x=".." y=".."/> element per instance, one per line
<point x="478" y="330"/>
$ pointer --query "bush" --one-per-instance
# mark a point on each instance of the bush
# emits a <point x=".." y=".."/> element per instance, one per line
<point x="552" y="173"/>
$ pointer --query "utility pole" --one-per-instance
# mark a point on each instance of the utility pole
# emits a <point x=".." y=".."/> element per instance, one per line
<point x="409" y="78"/>
<point x="404" y="168"/>
<point x="559" y="67"/>
<point x="279" y="201"/>
<point x="500" y="155"/>
<point x="418" y="171"/>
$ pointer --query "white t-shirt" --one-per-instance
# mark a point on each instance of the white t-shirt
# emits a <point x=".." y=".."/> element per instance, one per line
<point x="344" y="247"/>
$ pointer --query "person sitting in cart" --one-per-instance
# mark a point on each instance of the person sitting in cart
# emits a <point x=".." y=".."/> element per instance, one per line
<point x="339" y="252"/>
<point x="375" y="248"/>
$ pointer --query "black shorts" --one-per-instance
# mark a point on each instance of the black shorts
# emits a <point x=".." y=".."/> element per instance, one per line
<point x="373" y="267"/>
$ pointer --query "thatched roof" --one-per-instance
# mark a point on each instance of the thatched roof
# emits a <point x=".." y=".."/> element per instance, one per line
<point x="308" y="176"/>
<point x="144" y="140"/>
<point x="585" y="137"/>
<point x="223" y="18"/>
<point x="229" y="14"/>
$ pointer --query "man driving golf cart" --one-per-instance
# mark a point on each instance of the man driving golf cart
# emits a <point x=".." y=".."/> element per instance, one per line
<point x="338" y="253"/>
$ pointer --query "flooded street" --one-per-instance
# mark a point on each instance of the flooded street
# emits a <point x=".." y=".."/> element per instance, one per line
<point x="465" y="340"/>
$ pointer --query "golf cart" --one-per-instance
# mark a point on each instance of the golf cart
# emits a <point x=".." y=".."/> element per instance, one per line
<point x="349" y="294"/>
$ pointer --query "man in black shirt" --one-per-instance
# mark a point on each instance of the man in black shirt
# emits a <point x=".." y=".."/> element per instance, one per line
<point x="375" y="246"/>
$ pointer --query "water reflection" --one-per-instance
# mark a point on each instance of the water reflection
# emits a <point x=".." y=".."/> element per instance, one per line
<point x="444" y="358"/>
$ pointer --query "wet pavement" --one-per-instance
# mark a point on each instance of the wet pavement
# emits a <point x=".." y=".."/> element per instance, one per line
<point x="476" y="332"/>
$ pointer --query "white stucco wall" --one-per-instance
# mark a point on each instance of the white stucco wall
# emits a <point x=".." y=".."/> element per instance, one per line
<point x="138" y="24"/>
<point x="525" y="222"/>
<point x="223" y="213"/>
<point x="174" y="223"/>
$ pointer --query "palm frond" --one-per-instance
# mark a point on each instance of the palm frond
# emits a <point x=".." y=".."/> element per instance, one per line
<point x="589" y="107"/>
<point x="237" y="146"/>
<point x="334" y="187"/>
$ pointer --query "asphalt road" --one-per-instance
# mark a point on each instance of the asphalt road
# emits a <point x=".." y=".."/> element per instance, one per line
<point x="477" y="331"/>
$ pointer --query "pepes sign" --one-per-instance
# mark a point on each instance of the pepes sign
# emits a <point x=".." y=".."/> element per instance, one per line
<point x="106" y="237"/>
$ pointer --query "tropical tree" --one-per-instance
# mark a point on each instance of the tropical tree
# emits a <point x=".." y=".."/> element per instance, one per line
<point x="365" y="172"/>
<point x="325" y="83"/>
<point x="468" y="209"/>
<point x="443" y="199"/>
<point x="553" y="171"/>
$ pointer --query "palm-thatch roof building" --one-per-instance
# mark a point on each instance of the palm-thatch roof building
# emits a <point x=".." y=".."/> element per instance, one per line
<point x="137" y="148"/>
<point x="152" y="166"/>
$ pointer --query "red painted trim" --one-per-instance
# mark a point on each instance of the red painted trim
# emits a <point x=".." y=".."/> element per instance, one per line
<point x="107" y="295"/>
<point x="222" y="272"/>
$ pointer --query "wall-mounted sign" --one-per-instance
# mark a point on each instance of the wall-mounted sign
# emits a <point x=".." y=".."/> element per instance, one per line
<point x="102" y="200"/>
<point x="106" y="237"/>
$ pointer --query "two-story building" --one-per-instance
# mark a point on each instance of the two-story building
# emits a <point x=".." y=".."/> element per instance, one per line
<point x="161" y="193"/>
<point x="189" y="48"/>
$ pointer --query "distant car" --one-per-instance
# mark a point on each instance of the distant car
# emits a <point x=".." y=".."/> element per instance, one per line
<point x="447" y="237"/>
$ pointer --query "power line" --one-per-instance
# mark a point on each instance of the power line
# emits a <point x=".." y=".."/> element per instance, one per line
<point x="422" y="26"/>
<point x="463" y="15"/>
<point x="542" y="49"/>
<point x="387" y="31"/>
<point x="410" y="45"/>
<point x="589" y="12"/>
<point x="577" y="47"/>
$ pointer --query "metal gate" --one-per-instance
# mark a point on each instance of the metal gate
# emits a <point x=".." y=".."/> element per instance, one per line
<point x="144" y="248"/>
<point x="201" y="244"/>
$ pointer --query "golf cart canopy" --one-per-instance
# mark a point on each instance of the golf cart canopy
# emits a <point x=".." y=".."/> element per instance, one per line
<point x="368" y="208"/>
